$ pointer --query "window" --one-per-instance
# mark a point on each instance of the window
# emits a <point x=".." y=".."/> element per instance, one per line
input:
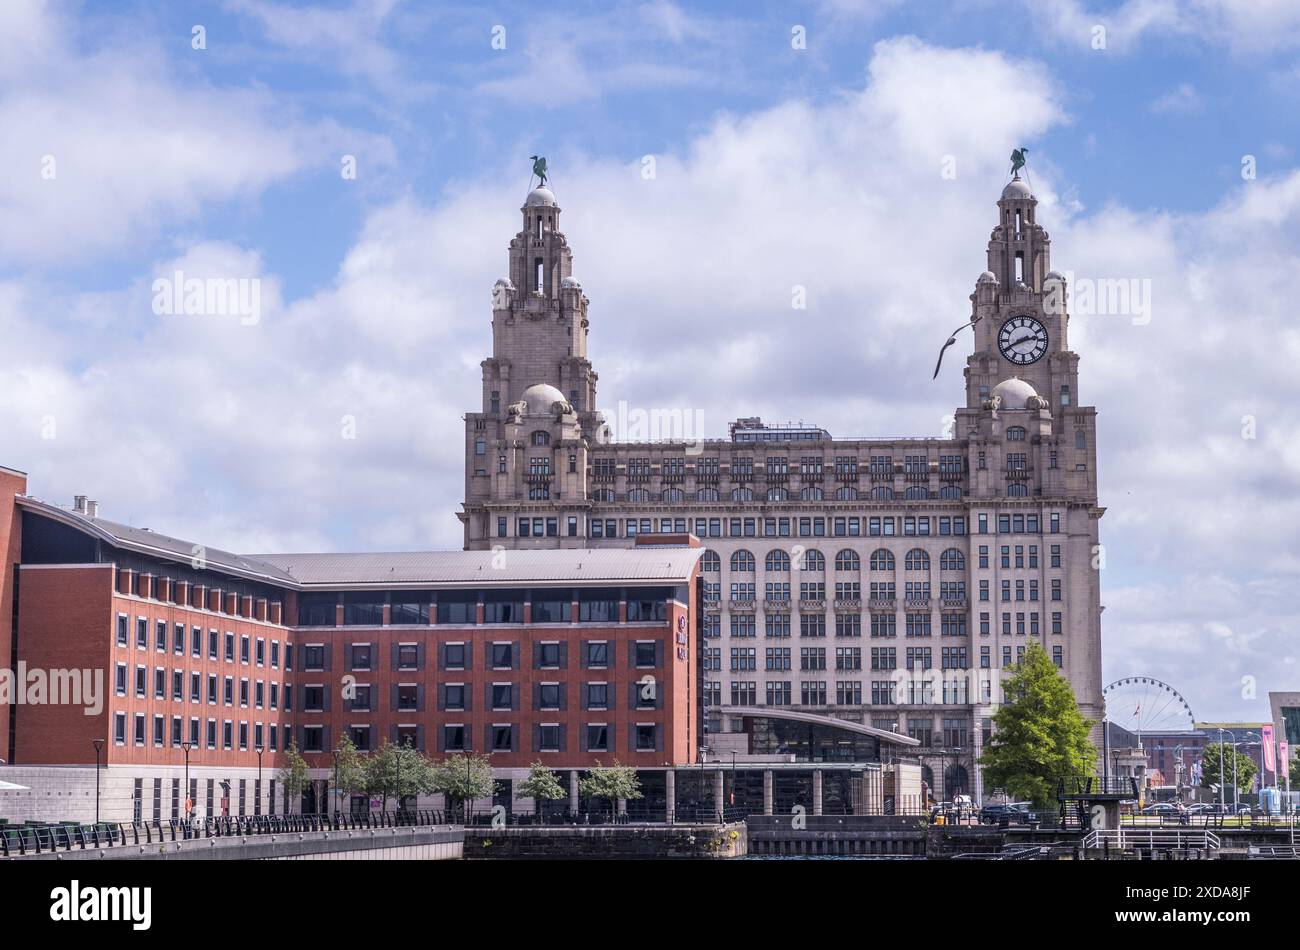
<point x="646" y="737"/>
<point x="646" y="653"/>
<point x="597" y="738"/>
<point x="597" y="653"/>
<point x="454" y="656"/>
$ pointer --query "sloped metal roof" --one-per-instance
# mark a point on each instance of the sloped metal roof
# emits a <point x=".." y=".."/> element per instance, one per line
<point x="663" y="564"/>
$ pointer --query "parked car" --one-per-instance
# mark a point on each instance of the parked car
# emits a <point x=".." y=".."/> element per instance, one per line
<point x="1165" y="809"/>
<point x="1013" y="812"/>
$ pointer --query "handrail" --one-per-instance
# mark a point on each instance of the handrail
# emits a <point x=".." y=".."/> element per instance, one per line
<point x="37" y="839"/>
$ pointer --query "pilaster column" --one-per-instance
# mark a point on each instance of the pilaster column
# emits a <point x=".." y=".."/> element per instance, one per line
<point x="817" y="792"/>
<point x="767" y="791"/>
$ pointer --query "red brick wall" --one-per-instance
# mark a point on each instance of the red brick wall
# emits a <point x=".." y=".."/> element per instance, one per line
<point x="11" y="484"/>
<point x="671" y="678"/>
<point x="62" y="619"/>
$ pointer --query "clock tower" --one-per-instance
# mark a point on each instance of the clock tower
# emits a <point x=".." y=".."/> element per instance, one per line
<point x="1019" y="309"/>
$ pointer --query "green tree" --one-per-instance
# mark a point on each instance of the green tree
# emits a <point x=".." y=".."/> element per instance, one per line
<point x="349" y="770"/>
<point x="541" y="785"/>
<point x="384" y="769"/>
<point x="1295" y="773"/>
<point x="1040" y="736"/>
<point x="463" y="778"/>
<point x="293" y="774"/>
<point x="1217" y="760"/>
<point x="611" y="782"/>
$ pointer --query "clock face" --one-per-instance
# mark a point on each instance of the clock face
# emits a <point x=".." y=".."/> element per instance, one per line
<point x="1023" y="340"/>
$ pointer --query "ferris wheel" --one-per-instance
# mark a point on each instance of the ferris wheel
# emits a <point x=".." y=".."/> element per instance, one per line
<point x="1144" y="704"/>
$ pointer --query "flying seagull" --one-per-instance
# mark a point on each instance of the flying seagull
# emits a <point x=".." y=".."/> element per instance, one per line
<point x="951" y="340"/>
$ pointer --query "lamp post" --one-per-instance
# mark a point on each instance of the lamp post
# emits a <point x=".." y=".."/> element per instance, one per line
<point x="398" y="808"/>
<point x="257" y="805"/>
<point x="189" y="805"/>
<point x="336" y="783"/>
<point x="99" y="747"/>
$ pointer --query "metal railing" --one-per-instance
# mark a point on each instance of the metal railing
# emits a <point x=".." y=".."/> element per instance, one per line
<point x="38" y="839"/>
<point x="1151" y="839"/>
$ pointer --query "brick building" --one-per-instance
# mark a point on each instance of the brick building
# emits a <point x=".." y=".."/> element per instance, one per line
<point x="570" y="658"/>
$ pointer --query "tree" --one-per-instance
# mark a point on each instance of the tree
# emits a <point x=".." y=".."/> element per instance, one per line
<point x="349" y="770"/>
<point x="541" y="785"/>
<point x="394" y="764"/>
<point x="1040" y="736"/>
<point x="612" y="782"/>
<point x="1295" y="773"/>
<point x="463" y="778"/>
<point x="1217" y="760"/>
<point x="293" y="774"/>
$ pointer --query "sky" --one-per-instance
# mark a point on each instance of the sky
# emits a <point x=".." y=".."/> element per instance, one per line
<point x="362" y="164"/>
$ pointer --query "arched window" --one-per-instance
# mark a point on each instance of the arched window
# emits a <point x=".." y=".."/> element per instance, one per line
<point x="742" y="494"/>
<point x="950" y="491"/>
<point x="846" y="493"/>
<point x="916" y="493"/>
<point x="952" y="560"/>
<point x="882" y="493"/>
<point x="541" y="438"/>
<point x="882" y="560"/>
<point x="674" y="494"/>
<point x="742" y="561"/>
<point x="777" y="562"/>
<point x="917" y="560"/>
<point x="710" y="563"/>
<point x="811" y="493"/>
<point x="638" y="494"/>
<point x="812" y="561"/>
<point x="709" y="494"/>
<point x="1017" y="490"/>
<point x="1016" y="434"/>
<point x="778" y="494"/>
<point x="847" y="560"/>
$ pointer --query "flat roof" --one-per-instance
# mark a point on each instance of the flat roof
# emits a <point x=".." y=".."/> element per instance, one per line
<point x="660" y="564"/>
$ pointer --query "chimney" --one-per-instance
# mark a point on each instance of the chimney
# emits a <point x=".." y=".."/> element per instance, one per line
<point x="92" y="509"/>
<point x="79" y="504"/>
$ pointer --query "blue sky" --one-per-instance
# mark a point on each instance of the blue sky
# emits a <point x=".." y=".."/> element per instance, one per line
<point x="776" y="166"/>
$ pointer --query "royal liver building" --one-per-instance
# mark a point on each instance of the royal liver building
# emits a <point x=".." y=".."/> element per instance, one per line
<point x="886" y="582"/>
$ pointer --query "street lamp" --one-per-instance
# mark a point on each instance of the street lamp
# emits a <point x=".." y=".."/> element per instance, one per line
<point x="336" y="783"/>
<point x="99" y="747"/>
<point x="257" y="804"/>
<point x="189" y="805"/>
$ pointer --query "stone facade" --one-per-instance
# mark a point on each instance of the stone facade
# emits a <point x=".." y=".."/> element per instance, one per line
<point x="953" y="553"/>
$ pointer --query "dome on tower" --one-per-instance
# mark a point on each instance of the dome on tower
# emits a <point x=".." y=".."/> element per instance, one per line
<point x="539" y="399"/>
<point x="571" y="282"/>
<point x="1016" y="188"/>
<point x="988" y="277"/>
<point x="542" y="197"/>
<point x="1016" y="393"/>
<point x="1054" y="275"/>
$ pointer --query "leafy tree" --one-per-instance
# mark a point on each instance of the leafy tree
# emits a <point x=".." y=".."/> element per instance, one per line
<point x="384" y="769"/>
<point x="1040" y="736"/>
<point x="1295" y="772"/>
<point x="463" y="778"/>
<point x="1217" y="760"/>
<point x="541" y="785"/>
<point x="293" y="774"/>
<point x="611" y="782"/>
<point x="349" y="769"/>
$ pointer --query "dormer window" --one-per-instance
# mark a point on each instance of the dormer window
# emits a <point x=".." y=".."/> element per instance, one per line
<point x="541" y="438"/>
<point x="1016" y="434"/>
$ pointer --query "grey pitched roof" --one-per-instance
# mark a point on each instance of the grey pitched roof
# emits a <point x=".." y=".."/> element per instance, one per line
<point x="661" y="564"/>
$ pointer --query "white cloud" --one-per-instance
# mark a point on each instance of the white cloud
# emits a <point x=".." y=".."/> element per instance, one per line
<point x="129" y="147"/>
<point x="1245" y="26"/>
<point x="1184" y="100"/>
